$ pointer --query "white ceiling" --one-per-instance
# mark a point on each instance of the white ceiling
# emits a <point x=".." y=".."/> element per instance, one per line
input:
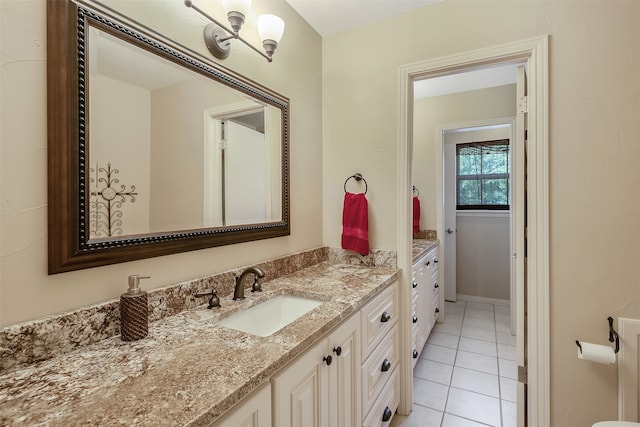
<point x="331" y="16"/>
<point x="464" y="82"/>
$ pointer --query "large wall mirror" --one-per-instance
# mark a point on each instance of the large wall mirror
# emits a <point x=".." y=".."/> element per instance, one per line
<point x="152" y="149"/>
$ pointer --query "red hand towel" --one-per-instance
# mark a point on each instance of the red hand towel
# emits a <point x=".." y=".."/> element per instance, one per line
<point x="355" y="223"/>
<point x="416" y="215"/>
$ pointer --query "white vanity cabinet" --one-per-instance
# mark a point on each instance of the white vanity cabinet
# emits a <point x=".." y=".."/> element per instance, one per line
<point x="425" y="300"/>
<point x="255" y="411"/>
<point x="322" y="387"/>
<point x="380" y="358"/>
<point x="361" y="384"/>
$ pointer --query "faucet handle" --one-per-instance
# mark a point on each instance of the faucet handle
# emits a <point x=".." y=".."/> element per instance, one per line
<point x="256" y="287"/>
<point x="214" y="301"/>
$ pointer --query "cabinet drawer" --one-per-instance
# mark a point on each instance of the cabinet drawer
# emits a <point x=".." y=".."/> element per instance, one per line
<point x="434" y="282"/>
<point x="435" y="307"/>
<point x="430" y="261"/>
<point x="415" y="352"/>
<point x="385" y="406"/>
<point x="378" y="317"/>
<point x="378" y="367"/>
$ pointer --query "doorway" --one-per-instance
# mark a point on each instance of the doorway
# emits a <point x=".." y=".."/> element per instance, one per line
<point x="534" y="52"/>
<point x="487" y="233"/>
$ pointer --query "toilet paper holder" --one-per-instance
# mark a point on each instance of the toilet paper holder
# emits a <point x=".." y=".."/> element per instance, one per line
<point x="613" y="336"/>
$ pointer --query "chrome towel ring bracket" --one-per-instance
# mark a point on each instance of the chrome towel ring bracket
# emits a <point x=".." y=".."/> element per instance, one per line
<point x="415" y="191"/>
<point x="357" y="177"/>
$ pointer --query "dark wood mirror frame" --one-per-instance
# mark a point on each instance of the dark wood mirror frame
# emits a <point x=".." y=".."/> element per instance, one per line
<point x="69" y="246"/>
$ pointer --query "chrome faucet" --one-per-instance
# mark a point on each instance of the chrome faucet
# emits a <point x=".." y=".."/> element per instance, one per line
<point x="238" y="293"/>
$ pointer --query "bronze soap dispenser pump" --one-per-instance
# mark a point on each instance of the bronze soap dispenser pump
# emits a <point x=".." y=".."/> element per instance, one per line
<point x="134" y="311"/>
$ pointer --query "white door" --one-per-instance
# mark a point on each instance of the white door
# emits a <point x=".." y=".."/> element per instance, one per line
<point x="449" y="246"/>
<point x="519" y="211"/>
<point x="300" y="392"/>
<point x="245" y="183"/>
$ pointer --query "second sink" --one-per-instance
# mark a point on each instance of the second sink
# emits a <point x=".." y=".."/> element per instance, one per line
<point x="270" y="316"/>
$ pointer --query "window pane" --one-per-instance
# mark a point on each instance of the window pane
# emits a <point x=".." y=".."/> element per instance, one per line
<point x="469" y="192"/>
<point x="469" y="164"/>
<point x="495" y="192"/>
<point x="495" y="162"/>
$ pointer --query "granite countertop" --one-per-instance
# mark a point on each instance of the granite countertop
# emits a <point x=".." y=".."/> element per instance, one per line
<point x="422" y="246"/>
<point x="188" y="371"/>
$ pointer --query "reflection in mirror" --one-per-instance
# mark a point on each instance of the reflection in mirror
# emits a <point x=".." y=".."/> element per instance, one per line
<point x="178" y="153"/>
<point x="153" y="149"/>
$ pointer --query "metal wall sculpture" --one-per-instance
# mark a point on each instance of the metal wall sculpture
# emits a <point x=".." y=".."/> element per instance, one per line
<point x="105" y="214"/>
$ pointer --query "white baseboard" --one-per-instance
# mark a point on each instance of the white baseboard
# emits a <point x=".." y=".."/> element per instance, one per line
<point x="483" y="299"/>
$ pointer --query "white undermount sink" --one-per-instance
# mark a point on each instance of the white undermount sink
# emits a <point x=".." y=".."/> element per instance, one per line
<point x="270" y="316"/>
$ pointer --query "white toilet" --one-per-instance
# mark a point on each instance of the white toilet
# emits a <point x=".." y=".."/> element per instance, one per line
<point x="616" y="424"/>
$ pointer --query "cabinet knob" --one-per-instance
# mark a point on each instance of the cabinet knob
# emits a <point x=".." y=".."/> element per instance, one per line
<point x="386" y="416"/>
<point x="337" y="350"/>
<point x="435" y="261"/>
<point x="415" y="319"/>
<point x="327" y="360"/>
<point x="428" y="263"/>
<point x="436" y="286"/>
<point x="437" y="310"/>
<point x="415" y="353"/>
<point x="414" y="284"/>
<point x="386" y="365"/>
<point x="385" y="317"/>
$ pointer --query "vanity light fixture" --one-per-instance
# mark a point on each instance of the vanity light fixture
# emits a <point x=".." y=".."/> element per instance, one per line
<point x="217" y="37"/>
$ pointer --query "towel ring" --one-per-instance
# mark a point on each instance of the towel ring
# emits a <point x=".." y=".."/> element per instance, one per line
<point x="357" y="177"/>
<point x="415" y="190"/>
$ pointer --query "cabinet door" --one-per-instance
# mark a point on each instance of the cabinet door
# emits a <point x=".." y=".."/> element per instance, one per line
<point x="344" y="374"/>
<point x="255" y="411"/>
<point x="300" y="392"/>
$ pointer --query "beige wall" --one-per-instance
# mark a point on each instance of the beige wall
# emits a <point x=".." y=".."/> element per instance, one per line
<point x="120" y="136"/>
<point x="594" y="117"/>
<point x="476" y="105"/>
<point x="26" y="292"/>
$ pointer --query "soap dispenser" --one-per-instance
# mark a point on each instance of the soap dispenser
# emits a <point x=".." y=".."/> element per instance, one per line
<point x="134" y="311"/>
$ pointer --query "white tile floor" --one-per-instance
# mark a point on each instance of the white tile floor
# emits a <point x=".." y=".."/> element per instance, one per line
<point x="466" y="374"/>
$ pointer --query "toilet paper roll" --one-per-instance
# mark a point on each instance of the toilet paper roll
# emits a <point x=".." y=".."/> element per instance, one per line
<point x="597" y="353"/>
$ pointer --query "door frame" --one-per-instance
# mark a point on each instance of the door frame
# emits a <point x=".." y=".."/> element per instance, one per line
<point x="535" y="52"/>
<point x="212" y="143"/>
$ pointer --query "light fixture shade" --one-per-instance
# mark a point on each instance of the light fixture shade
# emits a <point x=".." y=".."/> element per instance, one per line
<point x="241" y="6"/>
<point x="270" y="27"/>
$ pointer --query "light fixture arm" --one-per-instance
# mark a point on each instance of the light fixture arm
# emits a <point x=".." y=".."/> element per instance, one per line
<point x="219" y="39"/>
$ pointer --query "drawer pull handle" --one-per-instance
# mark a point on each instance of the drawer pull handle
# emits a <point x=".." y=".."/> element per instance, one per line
<point x="415" y="319"/>
<point x="327" y="360"/>
<point x="415" y="353"/>
<point x="337" y="350"/>
<point x="428" y="263"/>
<point x="435" y="261"/>
<point x="436" y="286"/>
<point x="386" y="365"/>
<point x="387" y="415"/>
<point x="437" y="310"/>
<point x="414" y="284"/>
<point x="385" y="317"/>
